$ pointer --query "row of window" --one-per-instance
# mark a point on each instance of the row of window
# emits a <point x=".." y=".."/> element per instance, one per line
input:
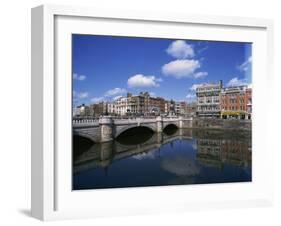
<point x="214" y="99"/>
<point x="208" y="108"/>
<point x="233" y="101"/>
<point x="209" y="89"/>
<point x="234" y="95"/>
<point x="234" y="108"/>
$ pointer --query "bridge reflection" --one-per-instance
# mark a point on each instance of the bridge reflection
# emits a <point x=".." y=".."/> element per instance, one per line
<point x="213" y="148"/>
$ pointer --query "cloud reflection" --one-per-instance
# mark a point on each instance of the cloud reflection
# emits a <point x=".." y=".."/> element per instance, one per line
<point x="144" y="155"/>
<point x="180" y="166"/>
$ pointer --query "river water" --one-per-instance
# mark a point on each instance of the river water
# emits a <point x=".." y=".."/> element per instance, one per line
<point x="140" y="157"/>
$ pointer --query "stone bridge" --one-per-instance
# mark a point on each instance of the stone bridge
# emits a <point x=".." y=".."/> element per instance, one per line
<point x="107" y="128"/>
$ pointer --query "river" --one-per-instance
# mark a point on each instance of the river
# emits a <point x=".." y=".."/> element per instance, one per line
<point x="140" y="157"/>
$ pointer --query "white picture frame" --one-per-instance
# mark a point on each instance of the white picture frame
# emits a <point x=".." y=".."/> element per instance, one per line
<point x="52" y="197"/>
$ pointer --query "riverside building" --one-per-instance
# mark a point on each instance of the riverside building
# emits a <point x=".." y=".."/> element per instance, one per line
<point x="236" y="102"/>
<point x="208" y="100"/>
<point x="122" y="106"/>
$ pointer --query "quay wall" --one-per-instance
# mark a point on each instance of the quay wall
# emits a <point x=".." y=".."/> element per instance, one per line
<point x="217" y="123"/>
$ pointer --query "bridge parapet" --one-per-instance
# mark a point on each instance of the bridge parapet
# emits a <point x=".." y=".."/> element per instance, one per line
<point x="127" y="120"/>
<point x="133" y="120"/>
<point x="75" y="121"/>
<point x="85" y="122"/>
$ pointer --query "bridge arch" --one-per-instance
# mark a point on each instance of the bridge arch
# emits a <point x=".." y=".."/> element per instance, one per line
<point x="121" y="130"/>
<point x="165" y="125"/>
<point x="85" y="135"/>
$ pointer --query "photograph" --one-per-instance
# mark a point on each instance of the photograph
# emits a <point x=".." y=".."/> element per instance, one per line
<point x="152" y="111"/>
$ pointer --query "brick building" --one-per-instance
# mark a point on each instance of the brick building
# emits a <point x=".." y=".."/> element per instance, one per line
<point x="156" y="105"/>
<point x="236" y="102"/>
<point x="98" y="109"/>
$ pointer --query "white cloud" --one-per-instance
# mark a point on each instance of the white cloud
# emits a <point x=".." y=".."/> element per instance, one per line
<point x="97" y="99"/>
<point x="114" y="92"/>
<point x="152" y="94"/>
<point x="80" y="95"/>
<point x="181" y="68"/>
<point x="201" y="74"/>
<point x="195" y="86"/>
<point x="245" y="65"/>
<point x="79" y="77"/>
<point x="236" y="82"/>
<point x="203" y="49"/>
<point x="180" y="49"/>
<point x="191" y="96"/>
<point x="141" y="80"/>
<point x="117" y="97"/>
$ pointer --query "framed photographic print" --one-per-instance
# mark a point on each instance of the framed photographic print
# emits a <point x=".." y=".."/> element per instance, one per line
<point x="137" y="112"/>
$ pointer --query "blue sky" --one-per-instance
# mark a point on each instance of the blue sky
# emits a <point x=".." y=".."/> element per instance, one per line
<point x="106" y="67"/>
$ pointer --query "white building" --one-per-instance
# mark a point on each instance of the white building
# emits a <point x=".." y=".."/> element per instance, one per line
<point x="208" y="99"/>
<point x="81" y="110"/>
<point x="177" y="108"/>
<point x="111" y="108"/>
<point x="76" y="111"/>
<point x="122" y="106"/>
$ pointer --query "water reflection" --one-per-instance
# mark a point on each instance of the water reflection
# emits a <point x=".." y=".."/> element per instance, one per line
<point x="176" y="156"/>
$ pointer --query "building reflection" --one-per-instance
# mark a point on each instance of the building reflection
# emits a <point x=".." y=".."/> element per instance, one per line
<point x="217" y="152"/>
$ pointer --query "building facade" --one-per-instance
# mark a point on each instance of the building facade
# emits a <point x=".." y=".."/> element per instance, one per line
<point x="98" y="109"/>
<point x="135" y="104"/>
<point x="141" y="105"/>
<point x="177" y="108"/>
<point x="208" y="100"/>
<point x="236" y="102"/>
<point x="111" y="109"/>
<point x="167" y="107"/>
<point x="249" y="102"/>
<point x="122" y="106"/>
<point x="191" y="109"/>
<point x="156" y="105"/>
<point x="81" y="111"/>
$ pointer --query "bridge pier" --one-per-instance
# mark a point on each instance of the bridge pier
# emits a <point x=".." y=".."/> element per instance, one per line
<point x="159" y="138"/>
<point x="106" y="129"/>
<point x="159" y="124"/>
<point x="180" y="122"/>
